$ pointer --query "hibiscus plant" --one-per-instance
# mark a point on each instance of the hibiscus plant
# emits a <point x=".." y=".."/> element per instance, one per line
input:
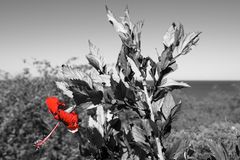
<point x="130" y="107"/>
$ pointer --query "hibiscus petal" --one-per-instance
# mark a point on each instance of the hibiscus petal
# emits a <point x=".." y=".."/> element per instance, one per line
<point x="69" y="119"/>
<point x="52" y="104"/>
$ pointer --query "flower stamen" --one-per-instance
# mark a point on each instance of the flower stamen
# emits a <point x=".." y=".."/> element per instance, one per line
<point x="39" y="143"/>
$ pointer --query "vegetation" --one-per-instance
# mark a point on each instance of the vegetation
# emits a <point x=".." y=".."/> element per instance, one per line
<point x="121" y="115"/>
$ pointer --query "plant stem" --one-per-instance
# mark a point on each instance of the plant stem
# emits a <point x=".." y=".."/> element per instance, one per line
<point x="157" y="140"/>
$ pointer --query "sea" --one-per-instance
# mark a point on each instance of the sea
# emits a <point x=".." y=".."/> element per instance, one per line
<point x="201" y="89"/>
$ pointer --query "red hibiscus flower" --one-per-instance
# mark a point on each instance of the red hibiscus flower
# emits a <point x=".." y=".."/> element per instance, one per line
<point x="53" y="105"/>
<point x="68" y="117"/>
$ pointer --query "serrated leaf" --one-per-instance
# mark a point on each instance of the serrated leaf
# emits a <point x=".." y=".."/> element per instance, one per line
<point x="64" y="87"/>
<point x="172" y="84"/>
<point x="99" y="79"/>
<point x="94" y="124"/>
<point x="82" y="93"/>
<point x="187" y="42"/>
<point x="121" y="92"/>
<point x="95" y="59"/>
<point x="138" y="135"/>
<point x="76" y="74"/>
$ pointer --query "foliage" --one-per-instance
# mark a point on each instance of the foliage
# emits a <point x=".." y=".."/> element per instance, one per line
<point x="24" y="118"/>
<point x="121" y="115"/>
<point x="211" y="142"/>
<point x="127" y="117"/>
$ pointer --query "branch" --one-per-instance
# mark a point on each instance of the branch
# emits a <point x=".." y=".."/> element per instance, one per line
<point x="157" y="140"/>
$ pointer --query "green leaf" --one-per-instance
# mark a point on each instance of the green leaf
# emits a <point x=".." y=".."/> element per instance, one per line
<point x="140" y="153"/>
<point x="156" y="105"/>
<point x="137" y="74"/>
<point x="172" y="151"/>
<point x="173" y="35"/>
<point x="70" y="109"/>
<point x="147" y="127"/>
<point x="165" y="60"/>
<point x="167" y="105"/>
<point x="99" y="81"/>
<point x="178" y="150"/>
<point x="100" y="115"/>
<point x="124" y="66"/>
<point x="130" y="34"/>
<point x="108" y="96"/>
<point x="153" y="69"/>
<point x="139" y="135"/>
<point x="127" y="118"/>
<point x="169" y="37"/>
<point x="150" y="127"/>
<point x="95" y="59"/>
<point x="121" y="92"/>
<point x="158" y="94"/>
<point x="119" y="27"/>
<point x="95" y="137"/>
<point x="126" y="21"/>
<point x="82" y="93"/>
<point x="65" y="88"/>
<point x="137" y="29"/>
<point x="115" y="124"/>
<point x="167" y="121"/>
<point x="187" y="42"/>
<point x="172" y="84"/>
<point x="76" y="74"/>
<point x="94" y="124"/>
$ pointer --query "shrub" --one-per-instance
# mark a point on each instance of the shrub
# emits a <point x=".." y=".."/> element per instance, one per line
<point x="128" y="118"/>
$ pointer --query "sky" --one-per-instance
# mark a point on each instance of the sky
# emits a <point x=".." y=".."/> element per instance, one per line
<point x="57" y="30"/>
